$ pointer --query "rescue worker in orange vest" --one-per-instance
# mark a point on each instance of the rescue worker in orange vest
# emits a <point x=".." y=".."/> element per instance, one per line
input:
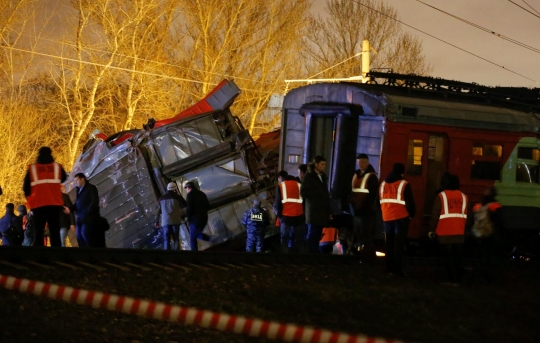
<point x="447" y="224"/>
<point x="397" y="206"/>
<point x="364" y="206"/>
<point x="289" y="209"/>
<point x="42" y="190"/>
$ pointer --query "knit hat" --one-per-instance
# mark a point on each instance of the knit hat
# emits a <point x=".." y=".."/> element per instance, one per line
<point x="398" y="168"/>
<point x="44" y="150"/>
<point x="172" y="186"/>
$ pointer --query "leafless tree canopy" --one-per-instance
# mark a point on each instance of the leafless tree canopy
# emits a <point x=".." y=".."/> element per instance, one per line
<point x="337" y="36"/>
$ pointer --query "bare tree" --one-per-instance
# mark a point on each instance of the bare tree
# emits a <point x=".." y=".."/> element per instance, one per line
<point x="255" y="41"/>
<point x="23" y="127"/>
<point x="337" y="36"/>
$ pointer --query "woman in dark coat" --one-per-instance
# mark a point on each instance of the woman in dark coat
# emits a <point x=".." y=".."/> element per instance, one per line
<point x="316" y="197"/>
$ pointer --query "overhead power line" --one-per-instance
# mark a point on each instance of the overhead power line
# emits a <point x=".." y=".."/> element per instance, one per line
<point x="448" y="43"/>
<point x="120" y="68"/>
<point x="532" y="8"/>
<point x="146" y="60"/>
<point x="523" y="8"/>
<point x="523" y="45"/>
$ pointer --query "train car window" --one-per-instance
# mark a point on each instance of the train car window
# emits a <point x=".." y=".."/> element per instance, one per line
<point x="414" y="157"/>
<point x="409" y="112"/>
<point x="487" y="161"/>
<point x="527" y="166"/>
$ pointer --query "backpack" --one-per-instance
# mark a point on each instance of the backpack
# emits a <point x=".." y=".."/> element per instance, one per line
<point x="14" y="233"/>
<point x="482" y="227"/>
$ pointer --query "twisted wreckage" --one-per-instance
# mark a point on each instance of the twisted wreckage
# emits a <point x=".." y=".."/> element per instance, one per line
<point x="205" y="144"/>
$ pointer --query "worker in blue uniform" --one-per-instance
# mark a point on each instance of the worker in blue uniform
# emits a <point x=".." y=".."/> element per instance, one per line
<point x="255" y="221"/>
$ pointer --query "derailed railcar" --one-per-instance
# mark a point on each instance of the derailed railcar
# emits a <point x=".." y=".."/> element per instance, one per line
<point x="484" y="135"/>
<point x="205" y="143"/>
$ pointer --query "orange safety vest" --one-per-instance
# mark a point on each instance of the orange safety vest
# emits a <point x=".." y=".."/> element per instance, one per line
<point x="45" y="181"/>
<point x="291" y="199"/>
<point x="329" y="236"/>
<point x="453" y="215"/>
<point x="360" y="193"/>
<point x="392" y="200"/>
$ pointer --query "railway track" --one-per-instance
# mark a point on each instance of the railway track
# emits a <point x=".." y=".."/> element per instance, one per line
<point x="49" y="259"/>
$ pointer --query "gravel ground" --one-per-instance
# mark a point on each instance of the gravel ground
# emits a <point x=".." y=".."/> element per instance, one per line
<point x="358" y="299"/>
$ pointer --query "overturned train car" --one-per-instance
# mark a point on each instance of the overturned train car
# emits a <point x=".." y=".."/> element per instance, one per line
<point x="205" y="144"/>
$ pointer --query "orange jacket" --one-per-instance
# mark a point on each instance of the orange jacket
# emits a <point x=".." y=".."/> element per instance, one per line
<point x="453" y="216"/>
<point x="392" y="200"/>
<point x="45" y="181"/>
<point x="291" y="199"/>
<point x="329" y="236"/>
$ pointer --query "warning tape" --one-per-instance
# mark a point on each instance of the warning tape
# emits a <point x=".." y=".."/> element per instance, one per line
<point x="185" y="315"/>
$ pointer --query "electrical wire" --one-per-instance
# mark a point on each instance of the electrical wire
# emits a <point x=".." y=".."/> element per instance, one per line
<point x="448" y="43"/>
<point x="523" y="8"/>
<point x="532" y="8"/>
<point x="145" y="60"/>
<point x="120" y="68"/>
<point x="523" y="45"/>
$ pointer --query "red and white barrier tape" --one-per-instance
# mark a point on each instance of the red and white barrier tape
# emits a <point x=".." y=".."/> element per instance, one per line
<point x="207" y="319"/>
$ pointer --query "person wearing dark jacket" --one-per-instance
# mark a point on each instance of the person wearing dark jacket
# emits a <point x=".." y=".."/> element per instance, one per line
<point x="86" y="208"/>
<point x="10" y="219"/>
<point x="364" y="206"/>
<point x="42" y="190"/>
<point x="197" y="214"/>
<point x="314" y="191"/>
<point x="171" y="209"/>
<point x="397" y="206"/>
<point x="67" y="221"/>
<point x="490" y="243"/>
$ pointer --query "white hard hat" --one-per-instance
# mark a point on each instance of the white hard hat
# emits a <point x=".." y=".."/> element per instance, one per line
<point x="172" y="186"/>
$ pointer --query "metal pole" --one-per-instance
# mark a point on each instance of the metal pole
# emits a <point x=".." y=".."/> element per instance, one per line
<point x="365" y="60"/>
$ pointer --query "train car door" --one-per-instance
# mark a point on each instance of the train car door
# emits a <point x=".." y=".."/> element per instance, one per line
<point x="427" y="156"/>
<point x="332" y="131"/>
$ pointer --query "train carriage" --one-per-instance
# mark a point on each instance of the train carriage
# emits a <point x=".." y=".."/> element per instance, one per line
<point x="481" y="134"/>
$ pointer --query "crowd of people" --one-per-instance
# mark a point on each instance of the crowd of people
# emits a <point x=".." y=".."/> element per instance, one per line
<point x="52" y="214"/>
<point x="303" y="207"/>
<point x="304" y="210"/>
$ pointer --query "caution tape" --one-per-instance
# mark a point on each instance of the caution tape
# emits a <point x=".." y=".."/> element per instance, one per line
<point x="185" y="315"/>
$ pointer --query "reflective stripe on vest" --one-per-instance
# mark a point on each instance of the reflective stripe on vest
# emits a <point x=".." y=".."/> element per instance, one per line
<point x="37" y="181"/>
<point x="45" y="181"/>
<point x="453" y="217"/>
<point x="444" y="210"/>
<point x="393" y="204"/>
<point x="363" y="188"/>
<point x="399" y="199"/>
<point x="291" y="199"/>
<point x="284" y="196"/>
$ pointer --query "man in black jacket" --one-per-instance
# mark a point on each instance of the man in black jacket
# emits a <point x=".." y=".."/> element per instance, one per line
<point x="197" y="214"/>
<point x="314" y="191"/>
<point x="86" y="209"/>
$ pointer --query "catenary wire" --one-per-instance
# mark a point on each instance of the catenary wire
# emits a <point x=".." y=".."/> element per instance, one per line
<point x="120" y="68"/>
<point x="147" y="60"/>
<point x="448" y="43"/>
<point x="532" y="8"/>
<point x="523" y="45"/>
<point x="523" y="8"/>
